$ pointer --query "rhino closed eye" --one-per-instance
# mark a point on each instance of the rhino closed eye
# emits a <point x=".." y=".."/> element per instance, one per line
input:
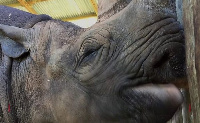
<point x="88" y="53"/>
<point x="88" y="57"/>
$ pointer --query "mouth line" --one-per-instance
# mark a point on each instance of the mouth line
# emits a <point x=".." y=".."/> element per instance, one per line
<point x="133" y="82"/>
<point x="141" y="81"/>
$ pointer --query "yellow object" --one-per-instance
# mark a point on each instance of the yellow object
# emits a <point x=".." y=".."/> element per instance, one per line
<point x="94" y="6"/>
<point x="27" y="6"/>
<point x="65" y="10"/>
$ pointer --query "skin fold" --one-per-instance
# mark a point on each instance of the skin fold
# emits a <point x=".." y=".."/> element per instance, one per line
<point x="120" y="70"/>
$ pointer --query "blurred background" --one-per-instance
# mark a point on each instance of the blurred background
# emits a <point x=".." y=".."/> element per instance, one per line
<point x="80" y="12"/>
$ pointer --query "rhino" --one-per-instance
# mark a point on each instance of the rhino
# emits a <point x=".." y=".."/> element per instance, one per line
<point x="123" y="69"/>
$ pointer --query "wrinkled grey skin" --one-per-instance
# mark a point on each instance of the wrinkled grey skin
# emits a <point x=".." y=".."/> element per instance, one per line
<point x="117" y="71"/>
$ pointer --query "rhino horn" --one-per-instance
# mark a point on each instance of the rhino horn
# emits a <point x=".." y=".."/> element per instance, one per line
<point x="107" y="8"/>
<point x="104" y="5"/>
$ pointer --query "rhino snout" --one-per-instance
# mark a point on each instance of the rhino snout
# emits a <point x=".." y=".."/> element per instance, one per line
<point x="159" y="96"/>
<point x="168" y="63"/>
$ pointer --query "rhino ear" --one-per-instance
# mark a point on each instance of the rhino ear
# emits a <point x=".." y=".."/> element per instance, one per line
<point x="19" y="34"/>
<point x="13" y="40"/>
<point x="11" y="48"/>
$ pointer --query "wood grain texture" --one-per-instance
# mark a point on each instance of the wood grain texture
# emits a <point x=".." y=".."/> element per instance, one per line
<point x="192" y="35"/>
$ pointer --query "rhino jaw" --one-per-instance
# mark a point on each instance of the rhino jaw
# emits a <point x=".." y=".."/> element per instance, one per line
<point x="167" y="96"/>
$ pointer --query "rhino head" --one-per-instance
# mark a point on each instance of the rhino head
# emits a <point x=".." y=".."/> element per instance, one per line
<point x="118" y="70"/>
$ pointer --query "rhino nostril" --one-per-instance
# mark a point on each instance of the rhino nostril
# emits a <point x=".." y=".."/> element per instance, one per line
<point x="172" y="62"/>
<point x="162" y="60"/>
<point x="177" y="64"/>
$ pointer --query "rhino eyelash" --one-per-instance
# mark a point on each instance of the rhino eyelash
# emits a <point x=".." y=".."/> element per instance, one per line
<point x="89" y="56"/>
<point x="89" y="53"/>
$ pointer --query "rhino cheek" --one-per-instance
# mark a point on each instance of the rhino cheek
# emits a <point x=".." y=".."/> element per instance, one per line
<point x="56" y="64"/>
<point x="53" y="70"/>
<point x="67" y="102"/>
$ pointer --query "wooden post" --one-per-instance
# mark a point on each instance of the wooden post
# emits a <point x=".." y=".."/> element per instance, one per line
<point x="191" y="18"/>
<point x="183" y="115"/>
